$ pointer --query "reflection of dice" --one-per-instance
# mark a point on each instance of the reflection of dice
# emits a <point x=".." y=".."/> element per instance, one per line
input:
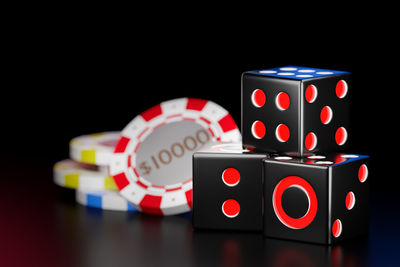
<point x="213" y="248"/>
<point x="279" y="253"/>
<point x="295" y="110"/>
<point x="227" y="188"/>
<point x="316" y="199"/>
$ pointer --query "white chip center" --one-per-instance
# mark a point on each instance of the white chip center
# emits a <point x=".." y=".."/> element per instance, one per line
<point x="165" y="156"/>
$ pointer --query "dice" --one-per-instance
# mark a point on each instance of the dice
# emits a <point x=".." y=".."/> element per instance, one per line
<point x="227" y="188"/>
<point x="295" y="110"/>
<point x="290" y="177"/>
<point x="319" y="199"/>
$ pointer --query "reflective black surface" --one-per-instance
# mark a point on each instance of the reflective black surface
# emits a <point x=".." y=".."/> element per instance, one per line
<point x="41" y="225"/>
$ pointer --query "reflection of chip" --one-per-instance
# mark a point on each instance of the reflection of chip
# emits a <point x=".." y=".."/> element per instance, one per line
<point x="170" y="191"/>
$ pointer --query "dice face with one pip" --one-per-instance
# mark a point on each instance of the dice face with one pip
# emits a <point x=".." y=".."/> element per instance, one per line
<point x="227" y="188"/>
<point x="295" y="110"/>
<point x="319" y="199"/>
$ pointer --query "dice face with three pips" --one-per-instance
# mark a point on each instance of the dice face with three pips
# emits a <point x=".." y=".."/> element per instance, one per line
<point x="295" y="110"/>
<point x="319" y="199"/>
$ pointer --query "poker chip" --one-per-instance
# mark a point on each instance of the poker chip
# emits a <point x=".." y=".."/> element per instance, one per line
<point x="105" y="200"/>
<point x="152" y="161"/>
<point x="71" y="174"/>
<point x="93" y="148"/>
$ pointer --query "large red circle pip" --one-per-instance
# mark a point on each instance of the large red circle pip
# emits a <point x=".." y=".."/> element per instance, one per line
<point x="290" y="222"/>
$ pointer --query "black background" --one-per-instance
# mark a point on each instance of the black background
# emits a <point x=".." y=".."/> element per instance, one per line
<point x="68" y="79"/>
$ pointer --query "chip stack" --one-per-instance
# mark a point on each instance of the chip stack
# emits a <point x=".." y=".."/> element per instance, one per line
<point x="86" y="171"/>
<point x="148" y="165"/>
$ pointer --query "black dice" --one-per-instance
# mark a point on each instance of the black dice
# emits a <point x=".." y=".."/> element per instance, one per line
<point x="319" y="199"/>
<point x="295" y="110"/>
<point x="227" y="188"/>
<point x="278" y="180"/>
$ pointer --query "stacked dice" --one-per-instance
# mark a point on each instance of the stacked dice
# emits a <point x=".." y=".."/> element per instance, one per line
<point x="291" y="177"/>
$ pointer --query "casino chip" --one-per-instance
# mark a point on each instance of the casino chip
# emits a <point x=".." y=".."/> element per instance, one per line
<point x="106" y="200"/>
<point x="93" y="148"/>
<point x="152" y="161"/>
<point x="72" y="174"/>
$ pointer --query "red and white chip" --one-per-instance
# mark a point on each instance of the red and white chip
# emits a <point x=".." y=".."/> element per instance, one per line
<point x="152" y="161"/>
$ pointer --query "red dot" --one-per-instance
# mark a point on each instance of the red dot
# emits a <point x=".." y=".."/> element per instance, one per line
<point x="231" y="177"/>
<point x="258" y="98"/>
<point x="341" y="136"/>
<point x="326" y="115"/>
<point x="282" y="101"/>
<point x="311" y="93"/>
<point x="311" y="141"/>
<point x="230" y="208"/>
<point x="337" y="228"/>
<point x="341" y="89"/>
<point x="282" y="133"/>
<point x="258" y="129"/>
<point x="363" y="173"/>
<point x="350" y="200"/>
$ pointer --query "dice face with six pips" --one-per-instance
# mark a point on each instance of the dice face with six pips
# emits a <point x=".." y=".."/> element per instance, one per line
<point x="227" y="188"/>
<point x="295" y="110"/>
<point x="319" y="199"/>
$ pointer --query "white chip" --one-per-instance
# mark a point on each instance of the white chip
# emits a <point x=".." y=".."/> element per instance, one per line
<point x="93" y="148"/>
<point x="105" y="200"/>
<point x="152" y="161"/>
<point x="71" y="174"/>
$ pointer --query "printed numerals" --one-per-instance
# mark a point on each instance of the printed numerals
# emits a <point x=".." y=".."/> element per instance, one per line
<point x="176" y="150"/>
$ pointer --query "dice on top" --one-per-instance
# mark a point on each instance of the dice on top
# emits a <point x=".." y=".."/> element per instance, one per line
<point x="227" y="188"/>
<point x="295" y="110"/>
<point x="319" y="199"/>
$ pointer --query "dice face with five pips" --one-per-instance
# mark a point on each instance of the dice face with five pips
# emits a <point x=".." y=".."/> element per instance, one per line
<point x="290" y="176"/>
<point x="295" y="110"/>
